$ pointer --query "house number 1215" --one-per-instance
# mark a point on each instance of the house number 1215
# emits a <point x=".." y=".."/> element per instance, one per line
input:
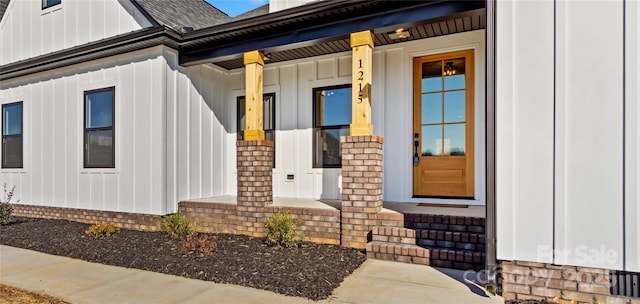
<point x="360" y="81"/>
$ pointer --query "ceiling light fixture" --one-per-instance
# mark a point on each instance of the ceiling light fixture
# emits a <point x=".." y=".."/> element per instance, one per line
<point x="449" y="69"/>
<point x="399" y="34"/>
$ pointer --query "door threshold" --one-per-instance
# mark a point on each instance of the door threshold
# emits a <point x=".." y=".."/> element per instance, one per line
<point x="442" y="205"/>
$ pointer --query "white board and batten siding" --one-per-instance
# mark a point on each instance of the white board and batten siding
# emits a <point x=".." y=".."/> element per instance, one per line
<point x="560" y="140"/>
<point x="293" y="83"/>
<point x="195" y="131"/>
<point x="27" y="30"/>
<point x="53" y="173"/>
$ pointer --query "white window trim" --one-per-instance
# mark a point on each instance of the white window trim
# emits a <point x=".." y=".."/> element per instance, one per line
<point x="50" y="9"/>
<point x="26" y="140"/>
<point x="308" y="100"/>
<point x="80" y="123"/>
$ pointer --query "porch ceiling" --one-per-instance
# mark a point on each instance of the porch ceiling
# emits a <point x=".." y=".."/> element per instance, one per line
<point x="464" y="22"/>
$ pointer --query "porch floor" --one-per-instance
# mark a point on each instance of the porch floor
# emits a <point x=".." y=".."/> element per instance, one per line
<point x="411" y="208"/>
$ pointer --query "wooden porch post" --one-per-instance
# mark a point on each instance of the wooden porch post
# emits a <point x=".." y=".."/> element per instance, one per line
<point x="362" y="45"/>
<point x="254" y="62"/>
<point x="362" y="157"/>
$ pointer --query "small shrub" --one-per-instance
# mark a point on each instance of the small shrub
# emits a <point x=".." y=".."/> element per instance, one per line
<point x="5" y="205"/>
<point x="205" y="243"/>
<point x="178" y="226"/>
<point x="102" y="229"/>
<point x="5" y="213"/>
<point x="282" y="230"/>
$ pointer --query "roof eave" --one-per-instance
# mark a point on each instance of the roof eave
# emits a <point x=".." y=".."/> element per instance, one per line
<point x="120" y="44"/>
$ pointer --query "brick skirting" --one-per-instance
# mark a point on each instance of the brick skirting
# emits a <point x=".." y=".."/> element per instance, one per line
<point x="135" y="221"/>
<point x="540" y="281"/>
<point x="319" y="225"/>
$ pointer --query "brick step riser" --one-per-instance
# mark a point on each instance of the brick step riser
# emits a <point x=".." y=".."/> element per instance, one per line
<point x="445" y="223"/>
<point x="405" y="253"/>
<point x="447" y="239"/>
<point x="430" y="238"/>
<point x="394" y="239"/>
<point x="448" y="227"/>
<point x="456" y="259"/>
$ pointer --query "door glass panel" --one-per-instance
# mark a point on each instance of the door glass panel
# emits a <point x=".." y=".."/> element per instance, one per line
<point x="431" y="140"/>
<point x="454" y="106"/>
<point x="431" y="108"/>
<point x="432" y="76"/>
<point x="454" y="74"/>
<point x="454" y="139"/>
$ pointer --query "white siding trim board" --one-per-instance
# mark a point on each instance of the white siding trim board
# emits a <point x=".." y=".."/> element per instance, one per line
<point x="632" y="136"/>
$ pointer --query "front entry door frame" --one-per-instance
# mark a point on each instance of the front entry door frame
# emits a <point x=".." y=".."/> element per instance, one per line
<point x="450" y="112"/>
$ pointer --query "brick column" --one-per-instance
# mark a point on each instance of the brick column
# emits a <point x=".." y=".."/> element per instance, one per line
<point x="361" y="187"/>
<point x="254" y="165"/>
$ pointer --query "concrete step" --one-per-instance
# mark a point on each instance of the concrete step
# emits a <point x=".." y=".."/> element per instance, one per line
<point x="406" y="253"/>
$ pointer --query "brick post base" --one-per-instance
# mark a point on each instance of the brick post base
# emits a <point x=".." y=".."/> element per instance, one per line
<point x="254" y="165"/>
<point x="361" y="188"/>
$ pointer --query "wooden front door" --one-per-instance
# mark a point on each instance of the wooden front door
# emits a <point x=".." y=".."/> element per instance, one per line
<point x="443" y="125"/>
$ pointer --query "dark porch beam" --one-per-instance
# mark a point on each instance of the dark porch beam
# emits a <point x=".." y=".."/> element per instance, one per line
<point x="383" y="20"/>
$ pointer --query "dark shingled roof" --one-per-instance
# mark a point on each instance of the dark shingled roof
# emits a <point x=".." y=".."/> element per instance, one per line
<point x="262" y="10"/>
<point x="183" y="13"/>
<point x="3" y="7"/>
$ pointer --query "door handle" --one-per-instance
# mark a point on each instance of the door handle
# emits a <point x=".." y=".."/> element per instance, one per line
<point x="416" y="144"/>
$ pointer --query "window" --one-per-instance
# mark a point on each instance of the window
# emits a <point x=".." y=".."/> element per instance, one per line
<point x="50" y="3"/>
<point x="12" y="135"/>
<point x="331" y="120"/>
<point x="99" y="128"/>
<point x="268" y="119"/>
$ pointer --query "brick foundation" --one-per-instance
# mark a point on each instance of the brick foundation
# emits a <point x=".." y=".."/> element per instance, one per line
<point x="319" y="225"/>
<point x="135" y="221"/>
<point x="540" y="281"/>
<point x="361" y="187"/>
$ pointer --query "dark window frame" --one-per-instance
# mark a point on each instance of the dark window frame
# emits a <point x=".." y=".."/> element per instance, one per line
<point x="21" y="135"/>
<point x="316" y="127"/>
<point x="240" y="132"/>
<point x="112" y="128"/>
<point x="45" y="6"/>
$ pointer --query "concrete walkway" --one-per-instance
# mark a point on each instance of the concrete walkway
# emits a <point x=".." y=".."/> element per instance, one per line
<point x="78" y="281"/>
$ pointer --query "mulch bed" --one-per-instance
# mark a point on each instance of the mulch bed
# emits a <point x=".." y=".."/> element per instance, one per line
<point x="312" y="271"/>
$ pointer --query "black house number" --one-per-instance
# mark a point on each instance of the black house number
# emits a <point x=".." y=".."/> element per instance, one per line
<point x="360" y="79"/>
